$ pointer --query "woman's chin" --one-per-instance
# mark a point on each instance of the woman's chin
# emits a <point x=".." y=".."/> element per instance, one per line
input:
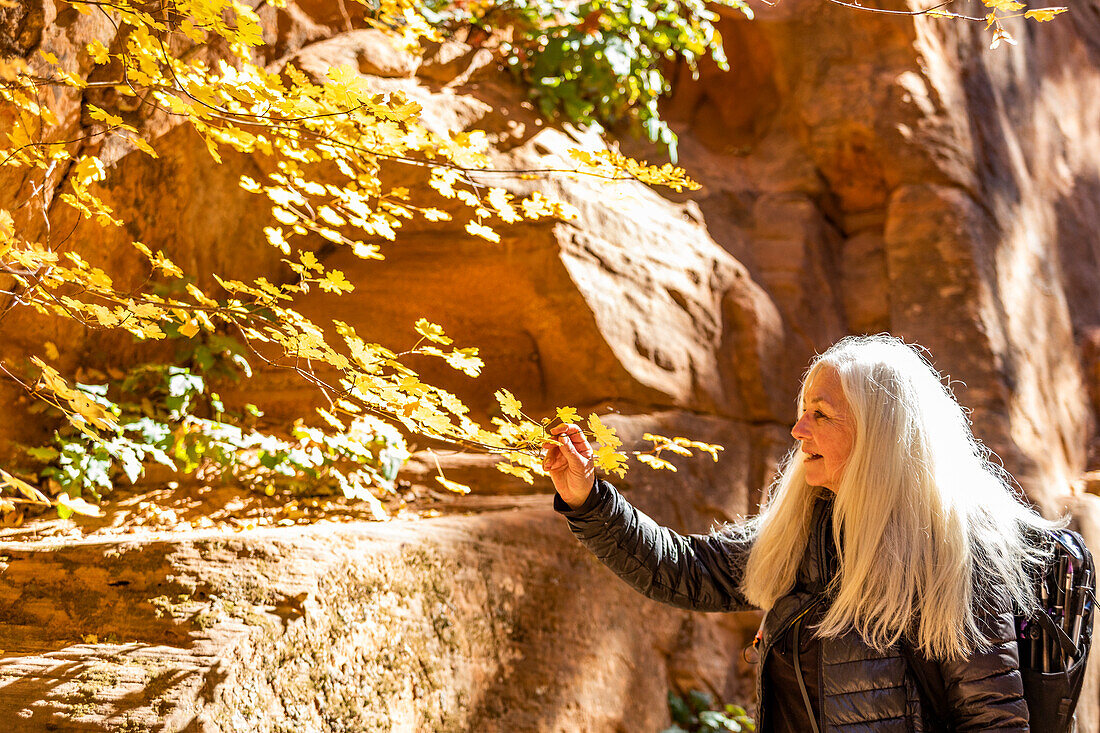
<point x="819" y="481"/>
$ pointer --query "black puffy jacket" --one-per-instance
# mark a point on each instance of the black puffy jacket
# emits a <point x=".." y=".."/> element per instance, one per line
<point x="858" y="689"/>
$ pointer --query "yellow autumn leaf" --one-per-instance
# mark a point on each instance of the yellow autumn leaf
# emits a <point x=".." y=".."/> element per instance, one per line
<point x="480" y="230"/>
<point x="335" y="282"/>
<point x="141" y="144"/>
<point x="567" y="414"/>
<point x="711" y="448"/>
<point x="283" y="216"/>
<point x="610" y="460"/>
<point x="466" y="361"/>
<point x="276" y="239"/>
<point x="79" y="506"/>
<point x="200" y="297"/>
<point x="453" y="485"/>
<point x="602" y="433"/>
<point x="509" y="405"/>
<point x="97" y="113"/>
<point x="30" y="492"/>
<point x="434" y="214"/>
<point x="1004" y="6"/>
<point x="516" y="471"/>
<point x="431" y="331"/>
<point x="98" y="52"/>
<point x="189" y="329"/>
<point x="166" y="265"/>
<point x="51" y="351"/>
<point x="500" y="200"/>
<point x="1044" y="14"/>
<point x="328" y="214"/>
<point x="309" y="261"/>
<point x="655" y="462"/>
<point x="92" y="412"/>
<point x="145" y="310"/>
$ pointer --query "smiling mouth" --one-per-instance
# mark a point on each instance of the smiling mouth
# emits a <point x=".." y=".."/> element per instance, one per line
<point x="812" y="457"/>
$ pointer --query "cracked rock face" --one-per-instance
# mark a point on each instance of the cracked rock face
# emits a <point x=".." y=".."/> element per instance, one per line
<point x="859" y="173"/>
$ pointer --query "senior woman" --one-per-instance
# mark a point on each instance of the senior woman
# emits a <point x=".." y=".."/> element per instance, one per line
<point x="887" y="536"/>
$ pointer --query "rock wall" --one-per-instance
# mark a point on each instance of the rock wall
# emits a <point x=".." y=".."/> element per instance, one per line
<point x="447" y="625"/>
<point x="861" y="173"/>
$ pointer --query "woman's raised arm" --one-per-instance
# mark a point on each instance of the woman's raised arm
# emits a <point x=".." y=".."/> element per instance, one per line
<point x="697" y="572"/>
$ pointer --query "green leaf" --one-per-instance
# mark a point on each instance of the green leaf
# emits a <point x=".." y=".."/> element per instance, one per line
<point x="699" y="700"/>
<point x="43" y="453"/>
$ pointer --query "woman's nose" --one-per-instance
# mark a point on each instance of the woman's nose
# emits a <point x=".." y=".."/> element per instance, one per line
<point x="798" y="432"/>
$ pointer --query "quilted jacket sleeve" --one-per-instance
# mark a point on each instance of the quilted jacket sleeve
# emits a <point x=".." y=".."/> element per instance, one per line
<point x="986" y="691"/>
<point x="697" y="572"/>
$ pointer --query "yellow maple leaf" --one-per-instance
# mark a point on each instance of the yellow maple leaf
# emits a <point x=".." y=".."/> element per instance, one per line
<point x="602" y="433"/>
<point x="189" y="329"/>
<point x="655" y="462"/>
<point x="30" y="492"/>
<point x="145" y="310"/>
<point x="1044" y="14"/>
<point x="328" y="214"/>
<point x="335" y="282"/>
<point x="610" y="460"/>
<point x="517" y="471"/>
<point x="141" y="144"/>
<point x="200" y="297"/>
<point x="480" y="230"/>
<point x="97" y="113"/>
<point x="567" y="414"/>
<point x="500" y="200"/>
<point x="466" y="361"/>
<point x="98" y="52"/>
<point x="509" y="405"/>
<point x="431" y="331"/>
<point x="309" y="261"/>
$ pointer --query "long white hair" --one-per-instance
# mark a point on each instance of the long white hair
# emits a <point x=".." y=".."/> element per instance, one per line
<point x="921" y="513"/>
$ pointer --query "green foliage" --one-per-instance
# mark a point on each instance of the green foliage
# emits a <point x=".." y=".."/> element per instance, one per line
<point x="170" y="415"/>
<point x="601" y="62"/>
<point x="699" y="713"/>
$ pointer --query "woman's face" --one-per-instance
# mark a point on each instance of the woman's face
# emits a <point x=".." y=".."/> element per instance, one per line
<point x="825" y="429"/>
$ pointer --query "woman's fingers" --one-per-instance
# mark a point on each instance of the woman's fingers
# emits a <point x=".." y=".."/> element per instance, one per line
<point x="571" y="441"/>
<point x="574" y="433"/>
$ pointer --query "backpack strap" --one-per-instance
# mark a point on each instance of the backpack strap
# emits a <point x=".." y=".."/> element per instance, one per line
<point x="933" y="696"/>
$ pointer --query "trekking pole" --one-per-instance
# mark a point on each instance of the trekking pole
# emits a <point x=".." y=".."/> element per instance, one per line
<point x="1044" y="660"/>
<point x="1066" y="622"/>
<point x="1079" y="608"/>
<point x="1036" y="649"/>
<point x="1059" y="614"/>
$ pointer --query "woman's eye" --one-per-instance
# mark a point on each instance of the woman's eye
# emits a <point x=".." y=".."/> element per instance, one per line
<point x="819" y="414"/>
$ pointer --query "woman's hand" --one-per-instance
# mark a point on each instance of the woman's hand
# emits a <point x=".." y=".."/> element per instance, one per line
<point x="569" y="461"/>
